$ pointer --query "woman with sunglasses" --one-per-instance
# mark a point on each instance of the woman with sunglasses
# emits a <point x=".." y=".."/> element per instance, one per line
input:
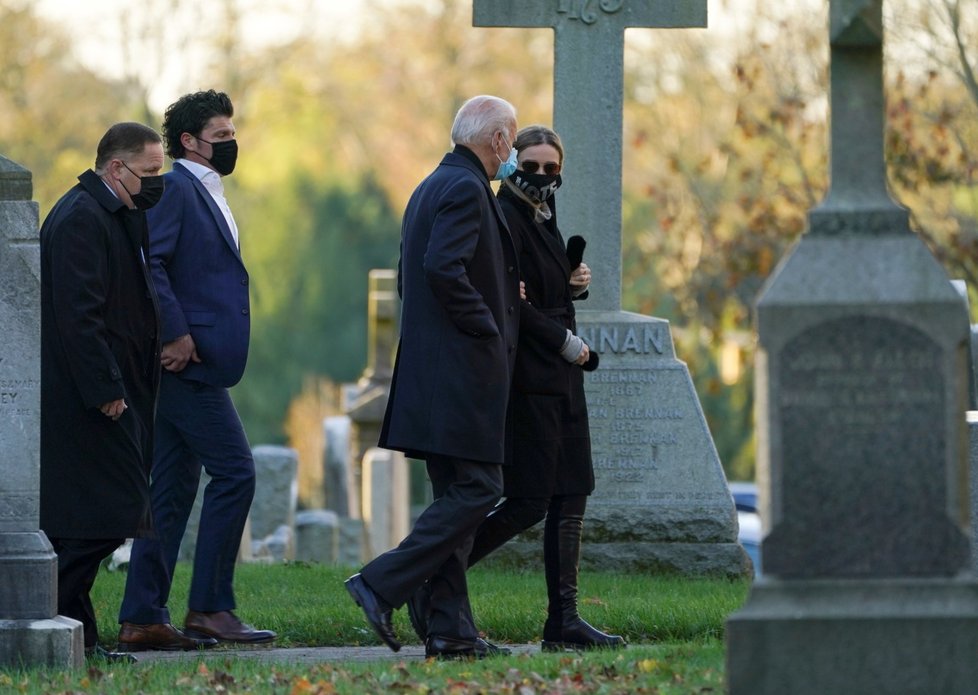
<point x="549" y="455"/>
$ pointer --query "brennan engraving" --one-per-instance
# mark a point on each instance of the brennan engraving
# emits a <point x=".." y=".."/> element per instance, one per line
<point x="616" y="339"/>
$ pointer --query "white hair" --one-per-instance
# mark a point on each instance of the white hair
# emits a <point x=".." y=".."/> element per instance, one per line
<point x="480" y="118"/>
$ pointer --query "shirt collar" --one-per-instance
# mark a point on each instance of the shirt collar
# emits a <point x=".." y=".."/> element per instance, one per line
<point x="198" y="169"/>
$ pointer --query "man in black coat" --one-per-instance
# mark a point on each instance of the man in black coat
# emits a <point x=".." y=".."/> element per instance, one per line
<point x="100" y="363"/>
<point x="459" y="283"/>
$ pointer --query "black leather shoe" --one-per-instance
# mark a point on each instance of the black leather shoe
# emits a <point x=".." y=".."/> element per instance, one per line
<point x="376" y="610"/>
<point x="100" y="653"/>
<point x="452" y="648"/>
<point x="417" y="607"/>
<point x="491" y="649"/>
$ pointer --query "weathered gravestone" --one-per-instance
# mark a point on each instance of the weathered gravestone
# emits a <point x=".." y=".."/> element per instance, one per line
<point x="861" y="392"/>
<point x="971" y="417"/>
<point x="962" y="289"/>
<point x="317" y="536"/>
<point x="342" y="479"/>
<point x="338" y="474"/>
<point x="273" y="509"/>
<point x="661" y="500"/>
<point x="386" y="500"/>
<point x="31" y="631"/>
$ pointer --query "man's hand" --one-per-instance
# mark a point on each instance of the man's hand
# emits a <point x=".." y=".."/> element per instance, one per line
<point x="114" y="409"/>
<point x="522" y="290"/>
<point x="177" y="353"/>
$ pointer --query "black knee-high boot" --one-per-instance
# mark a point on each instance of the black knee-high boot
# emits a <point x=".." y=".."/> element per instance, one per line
<point x="565" y="629"/>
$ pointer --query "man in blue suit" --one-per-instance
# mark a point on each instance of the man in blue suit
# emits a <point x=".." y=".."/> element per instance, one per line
<point x="203" y="288"/>
<point x="459" y="281"/>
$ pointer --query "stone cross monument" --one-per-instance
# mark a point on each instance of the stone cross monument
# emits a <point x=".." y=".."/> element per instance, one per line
<point x="368" y="398"/>
<point x="661" y="501"/>
<point x="861" y="389"/>
<point x="367" y="404"/>
<point x="31" y="632"/>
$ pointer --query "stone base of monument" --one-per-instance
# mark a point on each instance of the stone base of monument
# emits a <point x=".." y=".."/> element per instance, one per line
<point x="56" y="642"/>
<point x="661" y="502"/>
<point x="28" y="576"/>
<point x="905" y="636"/>
<point x="689" y="559"/>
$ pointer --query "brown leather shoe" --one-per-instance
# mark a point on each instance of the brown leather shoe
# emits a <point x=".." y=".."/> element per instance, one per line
<point x="159" y="636"/>
<point x="224" y="626"/>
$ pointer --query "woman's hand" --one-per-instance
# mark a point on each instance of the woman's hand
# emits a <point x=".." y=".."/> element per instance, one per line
<point x="580" y="279"/>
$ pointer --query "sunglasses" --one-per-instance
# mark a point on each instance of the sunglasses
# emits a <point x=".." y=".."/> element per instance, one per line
<point x="531" y="167"/>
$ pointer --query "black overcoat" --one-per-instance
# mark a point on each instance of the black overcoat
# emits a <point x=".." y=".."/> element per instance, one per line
<point x="99" y="343"/>
<point x="459" y="283"/>
<point x="550" y="451"/>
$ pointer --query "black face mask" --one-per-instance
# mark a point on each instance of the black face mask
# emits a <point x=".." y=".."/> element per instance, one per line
<point x="536" y="187"/>
<point x="150" y="190"/>
<point x="224" y="155"/>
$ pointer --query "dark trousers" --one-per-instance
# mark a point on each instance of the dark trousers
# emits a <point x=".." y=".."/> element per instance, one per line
<point x="196" y="426"/>
<point x="438" y="546"/>
<point x="514" y="515"/>
<point x="78" y="563"/>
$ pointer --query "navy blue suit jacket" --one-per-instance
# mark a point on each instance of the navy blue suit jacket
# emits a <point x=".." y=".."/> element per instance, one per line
<point x="459" y="281"/>
<point x="200" y="278"/>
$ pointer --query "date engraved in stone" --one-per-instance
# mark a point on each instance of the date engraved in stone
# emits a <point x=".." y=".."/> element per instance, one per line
<point x="585" y="11"/>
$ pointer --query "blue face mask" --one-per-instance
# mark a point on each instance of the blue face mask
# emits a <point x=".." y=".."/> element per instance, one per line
<point x="507" y="168"/>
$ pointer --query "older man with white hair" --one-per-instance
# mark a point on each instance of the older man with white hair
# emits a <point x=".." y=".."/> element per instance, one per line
<point x="459" y="283"/>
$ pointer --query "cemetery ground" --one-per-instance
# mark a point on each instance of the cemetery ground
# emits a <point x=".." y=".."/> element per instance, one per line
<point x="674" y="626"/>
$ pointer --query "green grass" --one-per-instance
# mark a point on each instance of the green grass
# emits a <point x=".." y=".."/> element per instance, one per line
<point x="667" y="669"/>
<point x="307" y="605"/>
<point x="674" y="627"/>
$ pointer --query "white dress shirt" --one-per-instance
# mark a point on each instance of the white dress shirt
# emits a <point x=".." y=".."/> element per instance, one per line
<point x="212" y="182"/>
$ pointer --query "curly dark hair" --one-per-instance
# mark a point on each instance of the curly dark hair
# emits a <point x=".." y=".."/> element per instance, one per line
<point x="189" y="114"/>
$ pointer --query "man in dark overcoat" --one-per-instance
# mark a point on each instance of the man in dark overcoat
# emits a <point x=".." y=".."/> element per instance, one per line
<point x="459" y="283"/>
<point x="100" y="363"/>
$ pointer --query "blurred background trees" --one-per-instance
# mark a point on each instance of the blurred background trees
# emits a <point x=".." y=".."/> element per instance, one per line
<point x="725" y="152"/>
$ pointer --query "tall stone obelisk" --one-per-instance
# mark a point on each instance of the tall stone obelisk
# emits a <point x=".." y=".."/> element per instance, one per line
<point x="31" y="631"/>
<point x="861" y="390"/>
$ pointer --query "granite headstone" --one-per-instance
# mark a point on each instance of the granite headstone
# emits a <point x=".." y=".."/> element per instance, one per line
<point x="385" y="504"/>
<point x="276" y="498"/>
<point x="317" y="536"/>
<point x="339" y="474"/>
<point x="861" y="392"/>
<point x="31" y="631"/>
